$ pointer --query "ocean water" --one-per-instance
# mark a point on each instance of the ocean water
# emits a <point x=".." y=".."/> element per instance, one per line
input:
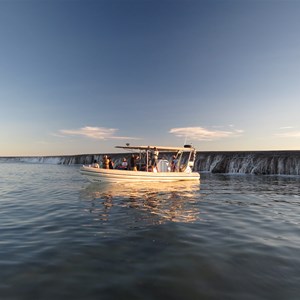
<point x="229" y="237"/>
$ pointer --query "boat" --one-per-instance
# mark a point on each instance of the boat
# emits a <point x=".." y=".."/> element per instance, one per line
<point x="152" y="166"/>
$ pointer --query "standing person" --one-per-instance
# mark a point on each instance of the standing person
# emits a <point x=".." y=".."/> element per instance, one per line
<point x="110" y="163"/>
<point x="133" y="165"/>
<point x="154" y="157"/>
<point x="173" y="163"/>
<point x="105" y="162"/>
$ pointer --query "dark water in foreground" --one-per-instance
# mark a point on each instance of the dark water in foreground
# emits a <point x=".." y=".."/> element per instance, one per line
<point x="232" y="237"/>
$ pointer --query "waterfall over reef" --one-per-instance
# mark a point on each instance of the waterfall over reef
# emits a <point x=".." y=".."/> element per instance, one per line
<point x="252" y="162"/>
<point x="240" y="162"/>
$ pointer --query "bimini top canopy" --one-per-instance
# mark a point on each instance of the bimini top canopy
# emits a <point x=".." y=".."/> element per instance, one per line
<point x="186" y="148"/>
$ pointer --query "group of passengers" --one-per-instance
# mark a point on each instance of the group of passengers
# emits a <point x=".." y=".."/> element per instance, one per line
<point x="129" y="165"/>
<point x="107" y="163"/>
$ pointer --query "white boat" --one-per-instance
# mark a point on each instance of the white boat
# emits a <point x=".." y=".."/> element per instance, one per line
<point x="159" y="170"/>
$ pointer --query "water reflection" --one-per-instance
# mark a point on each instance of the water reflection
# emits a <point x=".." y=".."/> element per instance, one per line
<point x="144" y="202"/>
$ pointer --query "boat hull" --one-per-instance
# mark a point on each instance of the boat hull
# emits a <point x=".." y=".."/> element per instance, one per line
<point x="114" y="175"/>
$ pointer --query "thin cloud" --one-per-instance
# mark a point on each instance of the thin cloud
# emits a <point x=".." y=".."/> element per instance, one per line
<point x="204" y="134"/>
<point x="98" y="133"/>
<point x="289" y="134"/>
<point x="286" y="127"/>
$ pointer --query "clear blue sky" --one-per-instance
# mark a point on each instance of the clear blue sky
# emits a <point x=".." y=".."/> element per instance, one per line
<point x="83" y="76"/>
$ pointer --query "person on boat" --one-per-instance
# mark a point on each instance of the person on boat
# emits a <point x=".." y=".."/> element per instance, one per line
<point x="105" y="161"/>
<point x="124" y="164"/>
<point x="110" y="163"/>
<point x="174" y="163"/>
<point x="95" y="164"/>
<point x="133" y="163"/>
<point x="154" y="157"/>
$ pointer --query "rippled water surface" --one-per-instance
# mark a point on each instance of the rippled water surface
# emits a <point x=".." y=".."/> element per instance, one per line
<point x="230" y="237"/>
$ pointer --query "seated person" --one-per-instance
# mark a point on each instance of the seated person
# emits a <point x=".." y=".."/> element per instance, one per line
<point x="124" y="164"/>
<point x="95" y="164"/>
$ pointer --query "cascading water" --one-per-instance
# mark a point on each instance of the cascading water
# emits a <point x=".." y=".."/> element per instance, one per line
<point x="263" y="163"/>
<point x="254" y="162"/>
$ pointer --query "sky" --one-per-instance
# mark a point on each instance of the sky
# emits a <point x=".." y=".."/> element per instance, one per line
<point x="80" y="77"/>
